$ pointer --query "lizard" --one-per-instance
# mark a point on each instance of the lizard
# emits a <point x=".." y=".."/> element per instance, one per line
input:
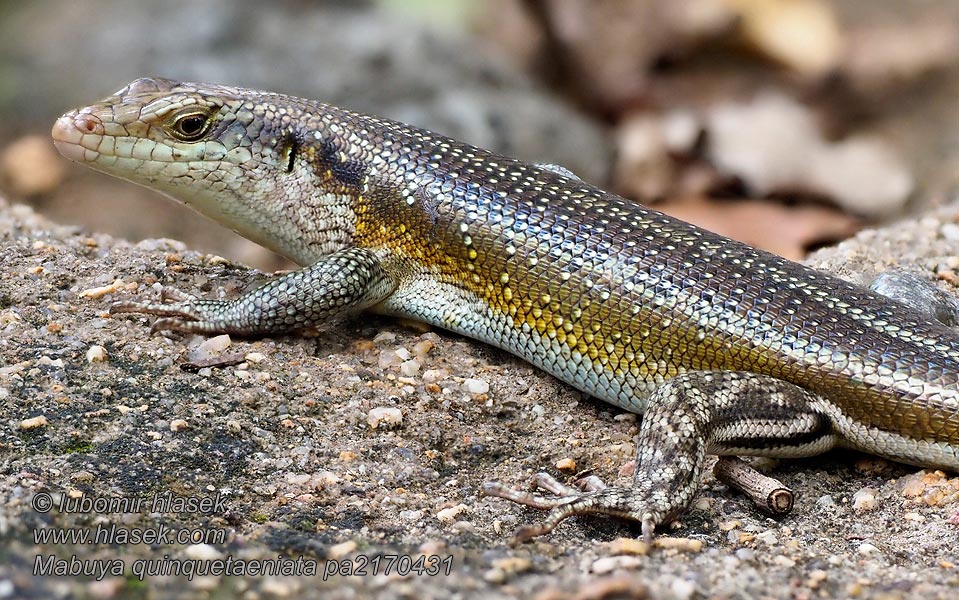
<point x="723" y="348"/>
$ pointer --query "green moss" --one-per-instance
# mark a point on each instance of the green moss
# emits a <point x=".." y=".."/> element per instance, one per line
<point x="79" y="447"/>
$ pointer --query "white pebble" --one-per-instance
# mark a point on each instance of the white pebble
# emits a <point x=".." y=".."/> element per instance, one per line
<point x="448" y="515"/>
<point x="49" y="362"/>
<point x="476" y="386"/>
<point x="254" y="357"/>
<point x="866" y="548"/>
<point x="387" y="416"/>
<point x="214" y="345"/>
<point x="410" y="368"/>
<point x="864" y="499"/>
<point x="434" y="375"/>
<point x="384" y="336"/>
<point x="950" y="231"/>
<point x="422" y="347"/>
<point x="96" y="354"/>
<point x="33" y="423"/>
<point x="609" y="564"/>
<point x="341" y="550"/>
<point x="387" y="359"/>
<point x="683" y="589"/>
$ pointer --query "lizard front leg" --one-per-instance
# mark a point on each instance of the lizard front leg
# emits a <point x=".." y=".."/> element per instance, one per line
<point x="720" y="412"/>
<point x="345" y="281"/>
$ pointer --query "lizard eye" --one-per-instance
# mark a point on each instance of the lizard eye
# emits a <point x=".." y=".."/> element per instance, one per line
<point x="190" y="127"/>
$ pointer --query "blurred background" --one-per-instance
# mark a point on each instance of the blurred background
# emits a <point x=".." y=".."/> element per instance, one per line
<point x="784" y="123"/>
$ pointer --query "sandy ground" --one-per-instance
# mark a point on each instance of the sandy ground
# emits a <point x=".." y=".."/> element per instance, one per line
<point x="366" y="445"/>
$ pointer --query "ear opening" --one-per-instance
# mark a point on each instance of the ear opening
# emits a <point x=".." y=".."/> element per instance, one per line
<point x="290" y="149"/>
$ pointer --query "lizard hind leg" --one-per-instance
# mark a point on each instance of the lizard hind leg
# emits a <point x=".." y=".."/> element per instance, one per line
<point x="720" y="412"/>
<point x="920" y="293"/>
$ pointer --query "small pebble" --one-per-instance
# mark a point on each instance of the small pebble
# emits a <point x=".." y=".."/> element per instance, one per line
<point x="682" y="589"/>
<point x="950" y="231"/>
<point x="33" y="423"/>
<point x="768" y="537"/>
<point x="298" y="478"/>
<point x="730" y="525"/>
<point x="96" y="354"/>
<point x="448" y="515"/>
<point x="277" y="588"/>
<point x="50" y="362"/>
<point x="745" y="554"/>
<point x="178" y="424"/>
<point x="629" y="546"/>
<point x="422" y="347"/>
<point x="866" y="549"/>
<point x="99" y="292"/>
<point x="513" y="564"/>
<point x="434" y="375"/>
<point x="680" y="544"/>
<point x="608" y="564"/>
<point x="342" y="550"/>
<point x="494" y="576"/>
<point x="388" y="358"/>
<point x="214" y="345"/>
<point x="864" y="499"/>
<point x="476" y="386"/>
<point x="254" y="357"/>
<point x="82" y="477"/>
<point x="384" y="336"/>
<point x="386" y="416"/>
<point x="410" y="368"/>
<point x="815" y="578"/>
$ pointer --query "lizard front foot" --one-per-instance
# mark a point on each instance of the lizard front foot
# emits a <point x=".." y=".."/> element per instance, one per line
<point x="341" y="282"/>
<point x="644" y="504"/>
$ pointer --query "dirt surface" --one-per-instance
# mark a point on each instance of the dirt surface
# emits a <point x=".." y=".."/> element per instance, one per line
<point x="281" y="456"/>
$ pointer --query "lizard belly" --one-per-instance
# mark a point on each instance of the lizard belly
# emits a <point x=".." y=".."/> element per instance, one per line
<point x="450" y="307"/>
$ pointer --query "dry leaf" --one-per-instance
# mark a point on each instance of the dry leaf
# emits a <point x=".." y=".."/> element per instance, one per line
<point x="773" y="144"/>
<point x="803" y="35"/>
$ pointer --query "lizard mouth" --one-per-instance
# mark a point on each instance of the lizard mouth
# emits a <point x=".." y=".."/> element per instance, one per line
<point x="77" y="136"/>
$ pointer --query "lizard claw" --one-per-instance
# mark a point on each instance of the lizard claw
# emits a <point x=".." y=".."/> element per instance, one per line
<point x="172" y="294"/>
<point x="170" y="324"/>
<point x="173" y="302"/>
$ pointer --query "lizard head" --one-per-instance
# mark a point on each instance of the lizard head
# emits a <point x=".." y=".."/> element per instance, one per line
<point x="226" y="152"/>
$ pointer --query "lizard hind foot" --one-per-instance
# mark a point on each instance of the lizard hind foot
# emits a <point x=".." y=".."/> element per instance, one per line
<point x="173" y="303"/>
<point x="177" y="311"/>
<point x="594" y="499"/>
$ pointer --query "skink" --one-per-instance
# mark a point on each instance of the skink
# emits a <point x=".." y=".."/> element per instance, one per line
<point x="724" y="348"/>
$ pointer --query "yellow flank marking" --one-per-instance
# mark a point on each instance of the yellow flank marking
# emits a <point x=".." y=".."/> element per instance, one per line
<point x="622" y="334"/>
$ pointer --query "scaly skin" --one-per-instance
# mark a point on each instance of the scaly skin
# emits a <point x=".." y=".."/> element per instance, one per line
<point x="726" y="348"/>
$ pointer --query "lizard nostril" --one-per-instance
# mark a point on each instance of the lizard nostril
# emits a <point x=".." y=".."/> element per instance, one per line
<point x="88" y="124"/>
